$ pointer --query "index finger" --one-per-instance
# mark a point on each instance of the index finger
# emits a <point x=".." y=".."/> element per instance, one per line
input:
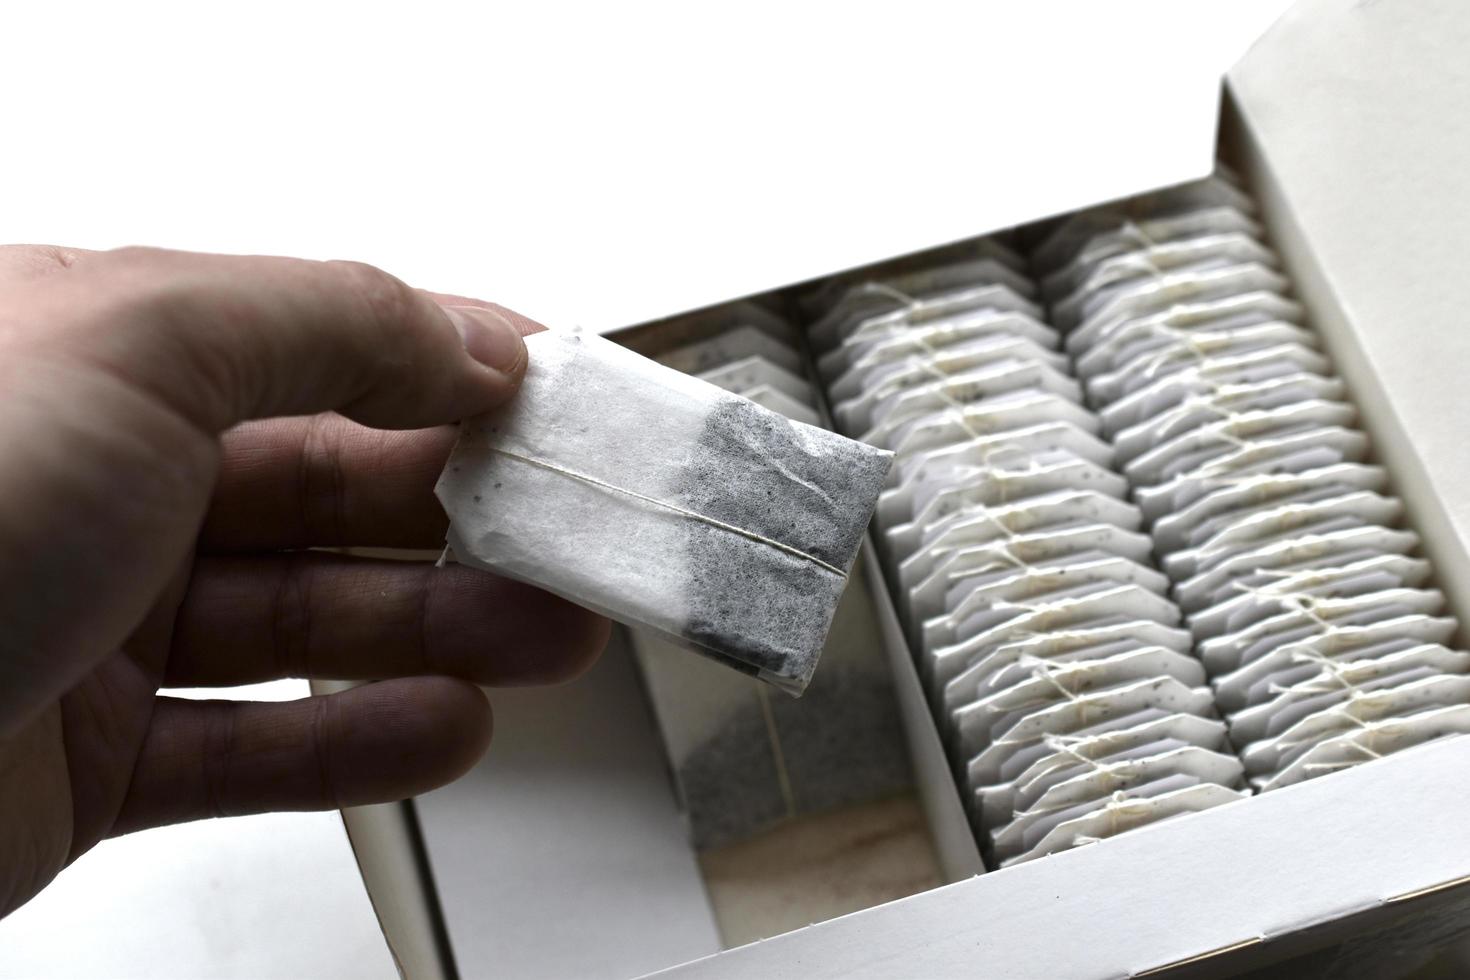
<point x="221" y="339"/>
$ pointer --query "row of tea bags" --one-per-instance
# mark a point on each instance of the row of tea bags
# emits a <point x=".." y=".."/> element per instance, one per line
<point x="743" y="757"/>
<point x="1059" y="669"/>
<point x="1324" y="642"/>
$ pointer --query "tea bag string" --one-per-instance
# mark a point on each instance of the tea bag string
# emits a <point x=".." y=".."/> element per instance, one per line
<point x="1132" y="229"/>
<point x="1332" y="676"/>
<point x="1128" y="234"/>
<point x="1109" y="772"/>
<point x="1001" y="554"/>
<point x="906" y="302"/>
<point x="992" y="474"/>
<point x="666" y="505"/>
<point x="1186" y="344"/>
<point x="1347" y="711"/>
<point x="1046" y="671"/>
<point x="1066" y="747"/>
<point x="1294" y="600"/>
<point x="1091" y="291"/>
<point x="1364" y="743"/>
<point x="1200" y="400"/>
<point x="1119" y="804"/>
<point x="1168" y="317"/>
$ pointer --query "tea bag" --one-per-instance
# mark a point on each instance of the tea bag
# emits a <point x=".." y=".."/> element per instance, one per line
<point x="1123" y="812"/>
<point x="752" y="372"/>
<point x="732" y="345"/>
<point x="1133" y="236"/>
<point x="664" y="502"/>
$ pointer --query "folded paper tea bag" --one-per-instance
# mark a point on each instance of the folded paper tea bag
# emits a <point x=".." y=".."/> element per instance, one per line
<point x="666" y="502"/>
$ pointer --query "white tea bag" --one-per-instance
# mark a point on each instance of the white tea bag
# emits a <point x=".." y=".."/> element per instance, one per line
<point x="1283" y="521"/>
<point x="967" y="388"/>
<point x="1140" y="346"/>
<point x="1232" y="650"/>
<point x="1268" y="755"/>
<point x="1079" y="230"/>
<point x="1234" y="495"/>
<point x="1087" y="303"/>
<point x="900" y="339"/>
<point x="977" y="420"/>
<point x="1136" y="603"/>
<point x="877" y="380"/>
<point x="752" y="372"/>
<point x="1070" y="753"/>
<point x="1126" y="813"/>
<point x="1049" y="472"/>
<point x="1221" y="313"/>
<point x="1226" y="400"/>
<point x="1373" y="574"/>
<point x="995" y="449"/>
<point x="927" y="597"/>
<point x="999" y="763"/>
<point x="1373" y="740"/>
<point x="783" y="404"/>
<point x="1290" y="453"/>
<point x="1378" y="641"/>
<point x="971" y="595"/>
<point x="1190" y="450"/>
<point x="1303" y="494"/>
<point x="1261" y="565"/>
<point x="875" y="297"/>
<point x="1237" y="367"/>
<point x="664" y="502"/>
<point x="878" y="314"/>
<point x="1091" y="640"/>
<point x="1106" y="778"/>
<point x="1066" y="716"/>
<point x="733" y="345"/>
<point x="1151" y="296"/>
<point x="1306" y="698"/>
<point x="1069" y="306"/>
<point x="1133" y="236"/>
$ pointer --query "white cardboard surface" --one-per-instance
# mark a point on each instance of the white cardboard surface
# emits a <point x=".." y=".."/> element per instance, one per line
<point x="1360" y="111"/>
<point x="563" y="854"/>
<point x="598" y="165"/>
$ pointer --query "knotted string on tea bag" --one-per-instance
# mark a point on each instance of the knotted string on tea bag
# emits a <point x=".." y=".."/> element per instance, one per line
<point x="1080" y="703"/>
<point x="1106" y="771"/>
<point x="1345" y="711"/>
<point x="1120" y="805"/>
<point x="1364" y="743"/>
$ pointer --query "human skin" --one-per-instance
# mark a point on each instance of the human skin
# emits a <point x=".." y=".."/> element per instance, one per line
<point x="176" y="430"/>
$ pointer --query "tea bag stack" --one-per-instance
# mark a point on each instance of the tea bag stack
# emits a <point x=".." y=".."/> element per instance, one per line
<point x="1058" y="668"/>
<point x="743" y="757"/>
<point x="1323" y="641"/>
<point x="753" y="353"/>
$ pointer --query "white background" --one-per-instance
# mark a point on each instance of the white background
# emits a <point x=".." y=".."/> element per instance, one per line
<point x="590" y="164"/>
<point x="596" y="164"/>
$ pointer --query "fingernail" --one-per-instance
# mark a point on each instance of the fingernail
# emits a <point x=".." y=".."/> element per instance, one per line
<point x="488" y="337"/>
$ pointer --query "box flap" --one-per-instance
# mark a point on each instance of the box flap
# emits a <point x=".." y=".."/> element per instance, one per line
<point x="601" y="165"/>
<point x="1356" y="114"/>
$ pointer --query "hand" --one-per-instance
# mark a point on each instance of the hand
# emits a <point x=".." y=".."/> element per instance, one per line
<point x="152" y="535"/>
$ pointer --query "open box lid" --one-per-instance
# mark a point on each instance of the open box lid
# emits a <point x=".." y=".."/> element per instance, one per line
<point x="609" y="164"/>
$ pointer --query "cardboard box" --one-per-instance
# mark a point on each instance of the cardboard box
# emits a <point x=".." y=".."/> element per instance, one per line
<point x="1347" y="122"/>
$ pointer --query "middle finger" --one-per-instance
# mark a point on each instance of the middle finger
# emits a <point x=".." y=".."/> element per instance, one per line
<point x="309" y="614"/>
